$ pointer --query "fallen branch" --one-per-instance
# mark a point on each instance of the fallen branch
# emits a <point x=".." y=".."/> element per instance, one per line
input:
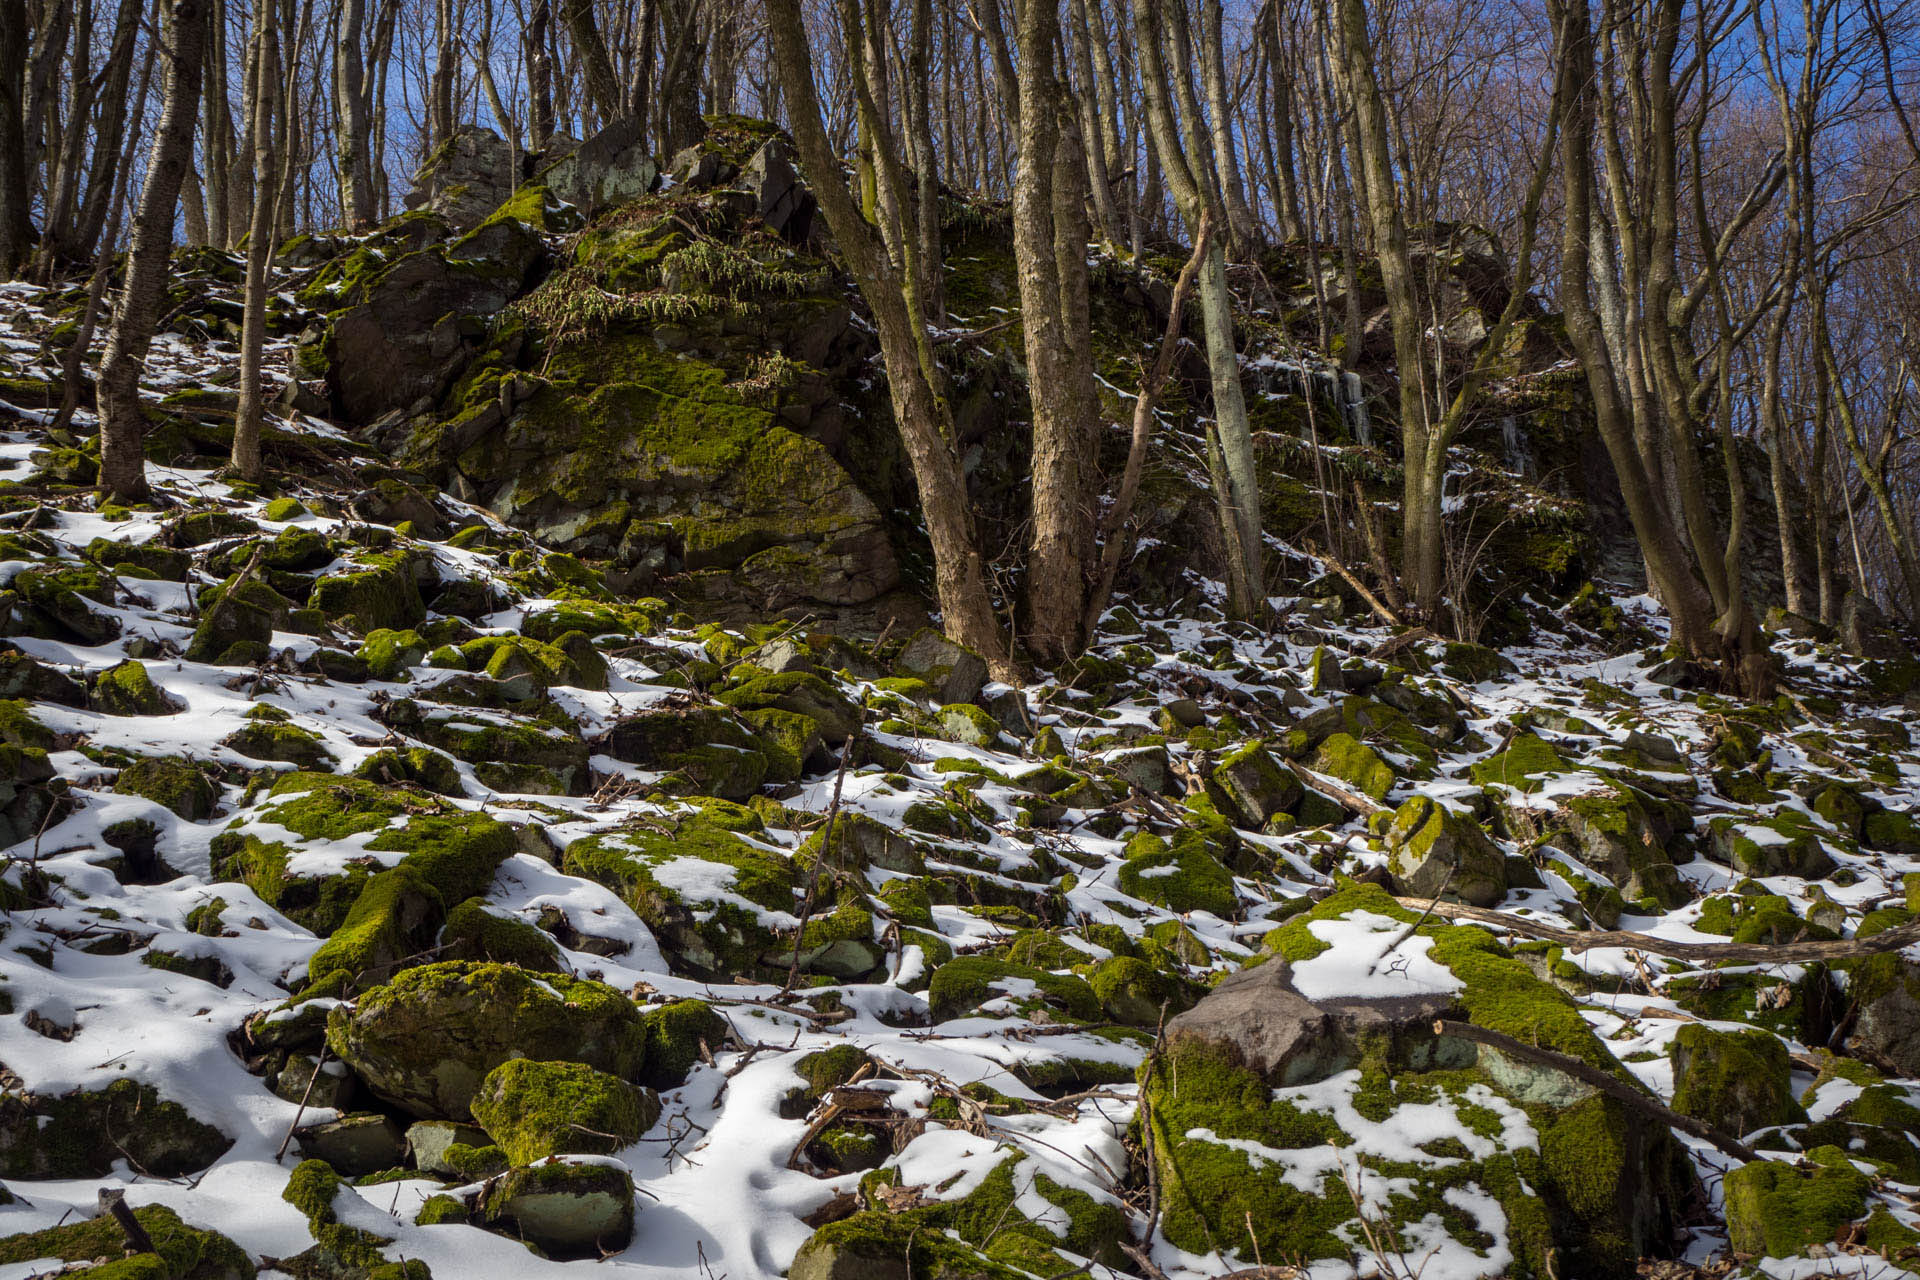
<point x="1737" y="952"/>
<point x="1611" y="1085"/>
<point x="1346" y="797"/>
<point x="1391" y="618"/>
<point x="115" y="1203"/>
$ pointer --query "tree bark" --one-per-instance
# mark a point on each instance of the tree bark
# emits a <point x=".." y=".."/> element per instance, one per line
<point x="893" y="295"/>
<point x="260" y="241"/>
<point x="122" y="423"/>
<point x="354" y="146"/>
<point x="16" y="227"/>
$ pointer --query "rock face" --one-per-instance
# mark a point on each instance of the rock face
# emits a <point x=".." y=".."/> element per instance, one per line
<point x="427" y="1040"/>
<point x="466" y="179"/>
<point x="1322" y="1045"/>
<point x="610" y="168"/>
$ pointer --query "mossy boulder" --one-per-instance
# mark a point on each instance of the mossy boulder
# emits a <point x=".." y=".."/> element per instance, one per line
<point x="1737" y="1081"/>
<point x="1353" y="762"/>
<point x="1777" y="1210"/>
<point x="567" y="1210"/>
<point x="1252" y="786"/>
<point x="285" y="743"/>
<point x="382" y="594"/>
<point x="412" y="766"/>
<point x="1260" y="1094"/>
<point x="1784" y="844"/>
<point x="426" y="1040"/>
<point x="513" y="753"/>
<point x="679" y="1034"/>
<point x="234" y="623"/>
<point x="1886" y="991"/>
<point x="954" y="672"/>
<point x="802" y="693"/>
<point x="181" y="1252"/>
<point x="710" y="748"/>
<point x="532" y="1110"/>
<point x="1526" y="761"/>
<point x="81" y="1134"/>
<point x="966" y="983"/>
<point x="1181" y="876"/>
<point x="1134" y="992"/>
<point x="177" y="784"/>
<point x="1434" y="852"/>
<point x="472" y="932"/>
<point x="127" y="689"/>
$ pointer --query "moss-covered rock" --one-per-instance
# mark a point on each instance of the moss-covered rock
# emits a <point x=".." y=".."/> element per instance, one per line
<point x="182" y="1252"/>
<point x="1252" y="786"/>
<point x="1527" y="760"/>
<point x="381" y="593"/>
<point x="1776" y="1210"/>
<point x="712" y="750"/>
<point x="472" y="932"/>
<point x="415" y="766"/>
<point x="1181" y="876"/>
<point x="1737" y="1081"/>
<point x="1134" y="992"/>
<point x="128" y="690"/>
<point x="285" y="743"/>
<point x="81" y="1134"/>
<point x="1345" y="757"/>
<point x="679" y="1034"/>
<point x="426" y="1040"/>
<point x="964" y="984"/>
<point x="532" y="1110"/>
<point x="170" y="781"/>
<point x="567" y="1210"/>
<point x="1434" y="852"/>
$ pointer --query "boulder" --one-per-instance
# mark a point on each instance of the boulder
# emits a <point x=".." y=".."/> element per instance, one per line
<point x="533" y="1110"/>
<point x="466" y="178"/>
<point x="354" y="1145"/>
<point x="957" y="673"/>
<point x="428" y="1142"/>
<point x="426" y="1040"/>
<point x="1435" y="852"/>
<point x="1737" y="1081"/>
<point x="568" y="1210"/>
<point x="81" y="1134"/>
<point x="1886" y="989"/>
<point x="1271" y="1091"/>
<point x="170" y="781"/>
<point x="781" y="199"/>
<point x="1777" y="1210"/>
<point x="611" y="167"/>
<point x="1254" y="786"/>
<point x="181" y="1252"/>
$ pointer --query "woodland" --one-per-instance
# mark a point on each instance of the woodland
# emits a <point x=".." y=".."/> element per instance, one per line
<point x="959" y="639"/>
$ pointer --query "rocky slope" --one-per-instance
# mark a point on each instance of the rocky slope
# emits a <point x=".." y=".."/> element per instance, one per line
<point x="396" y="887"/>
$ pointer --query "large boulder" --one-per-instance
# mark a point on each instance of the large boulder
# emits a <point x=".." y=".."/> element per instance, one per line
<point x="568" y="1210"/>
<point x="426" y="1040"/>
<point x="1298" y="1084"/>
<point x="466" y="178"/>
<point x="81" y="1134"/>
<point x="1435" y="852"/>
<point x="609" y="168"/>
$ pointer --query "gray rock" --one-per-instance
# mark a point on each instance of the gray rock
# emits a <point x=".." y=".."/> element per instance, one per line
<point x="609" y="168"/>
<point x="466" y="179"/>
<point x="1254" y="786"/>
<point x="1436" y="852"/>
<point x="428" y="1140"/>
<point x="958" y="673"/>
<point x="1288" y="1039"/>
<point x="569" y="1210"/>
<point x="355" y="1144"/>
<point x="785" y="203"/>
<point x="1888" y="988"/>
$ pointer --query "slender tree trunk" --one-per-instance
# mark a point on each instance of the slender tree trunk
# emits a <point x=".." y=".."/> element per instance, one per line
<point x="354" y="148"/>
<point x="217" y="135"/>
<point x="893" y="296"/>
<point x="16" y="226"/>
<point x="122" y="424"/>
<point x="603" y="86"/>
<point x="252" y="406"/>
<point x="539" y="76"/>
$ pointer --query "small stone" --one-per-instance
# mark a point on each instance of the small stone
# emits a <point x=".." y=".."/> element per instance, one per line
<point x="355" y="1144"/>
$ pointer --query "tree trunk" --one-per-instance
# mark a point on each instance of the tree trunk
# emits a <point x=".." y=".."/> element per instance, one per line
<point x="16" y="227"/>
<point x="354" y="147"/>
<point x="252" y="407"/>
<point x="122" y="424"/>
<point x="925" y="424"/>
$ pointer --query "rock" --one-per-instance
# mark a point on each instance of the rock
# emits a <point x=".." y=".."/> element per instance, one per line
<point x="405" y="321"/>
<point x="1355" y="763"/>
<point x="127" y="690"/>
<point x="181" y="1252"/>
<point x="967" y="983"/>
<point x="802" y="693"/>
<point x="680" y="1034"/>
<point x="1254" y="785"/>
<point x="1786" y="844"/>
<point x="1184" y="713"/>
<point x="426" y="1040"/>
<point x="429" y="1140"/>
<point x="1254" y="1082"/>
<point x="611" y="167"/>
<point x="532" y="1110"/>
<point x="1617" y="831"/>
<point x="466" y="178"/>
<point x="81" y="1134"/>
<point x="782" y="200"/>
<point x="714" y="750"/>
<point x="170" y="781"/>
<point x="334" y="1087"/>
<point x="1777" y="1210"/>
<point x="1864" y="631"/>
<point x="354" y="1144"/>
<point x="1182" y="876"/>
<point x="1737" y="1081"/>
<point x="1435" y="852"/>
<point x="568" y="1210"/>
<point x="1887" y="990"/>
<point x="234" y="624"/>
<point x="23" y="677"/>
<point x="956" y="672"/>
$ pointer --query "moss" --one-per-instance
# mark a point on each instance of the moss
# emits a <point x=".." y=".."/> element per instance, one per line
<point x="439" y="1210"/>
<point x="281" y="510"/>
<point x="186" y="1253"/>
<point x="1521" y="765"/>
<point x="81" y="1134"/>
<point x="382" y="595"/>
<point x="287" y="743"/>
<point x="394" y="919"/>
<point x="1182" y="876"/>
<point x="678" y="1035"/>
<point x="552" y="1204"/>
<point x="417" y="766"/>
<point x="1345" y="757"/>
<point x="1777" y="1210"/>
<point x="127" y="690"/>
<point x="1134" y="992"/>
<point x="1735" y="1080"/>
<point x="537" y="1109"/>
<point x="388" y="653"/>
<point x="963" y="984"/>
<point x="171" y="782"/>
<point x="474" y="933"/>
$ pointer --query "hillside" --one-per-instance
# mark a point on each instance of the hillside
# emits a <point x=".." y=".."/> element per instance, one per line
<point x="542" y="831"/>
